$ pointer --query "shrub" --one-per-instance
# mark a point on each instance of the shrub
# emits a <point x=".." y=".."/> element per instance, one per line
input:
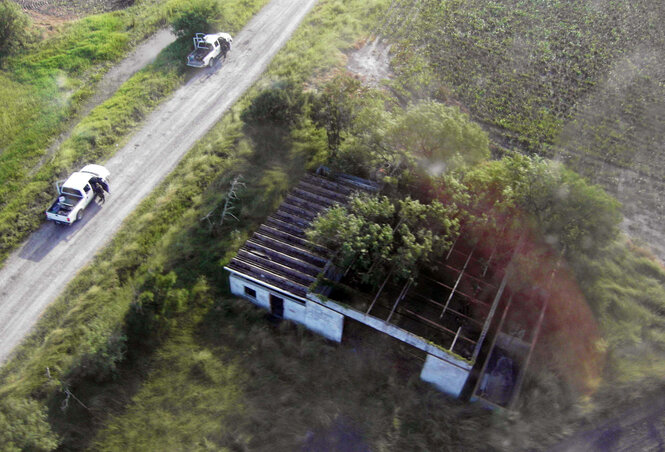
<point x="23" y="426"/>
<point x="201" y="16"/>
<point x="13" y="27"/>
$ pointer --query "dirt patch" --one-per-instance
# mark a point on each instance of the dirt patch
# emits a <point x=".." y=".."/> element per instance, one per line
<point x="71" y="8"/>
<point x="48" y="25"/>
<point x="371" y="62"/>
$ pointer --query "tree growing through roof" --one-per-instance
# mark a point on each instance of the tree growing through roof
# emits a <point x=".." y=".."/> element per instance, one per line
<point x="376" y="236"/>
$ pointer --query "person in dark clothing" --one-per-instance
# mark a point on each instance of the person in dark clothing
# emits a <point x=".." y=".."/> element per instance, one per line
<point x="99" y="191"/>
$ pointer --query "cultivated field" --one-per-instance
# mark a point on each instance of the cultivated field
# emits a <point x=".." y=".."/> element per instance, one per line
<point x="581" y="81"/>
<point x="72" y="8"/>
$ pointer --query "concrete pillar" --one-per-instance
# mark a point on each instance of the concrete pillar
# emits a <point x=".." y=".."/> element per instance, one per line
<point x="445" y="375"/>
<point x="324" y="321"/>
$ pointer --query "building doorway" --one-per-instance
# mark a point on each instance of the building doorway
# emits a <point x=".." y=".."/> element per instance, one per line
<point x="277" y="306"/>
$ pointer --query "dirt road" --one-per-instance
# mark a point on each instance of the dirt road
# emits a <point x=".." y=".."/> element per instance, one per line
<point x="38" y="272"/>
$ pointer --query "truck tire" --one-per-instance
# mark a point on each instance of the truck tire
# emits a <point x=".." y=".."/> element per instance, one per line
<point x="79" y="215"/>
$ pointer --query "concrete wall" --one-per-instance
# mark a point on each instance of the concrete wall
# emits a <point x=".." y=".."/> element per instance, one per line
<point x="238" y="288"/>
<point x="324" y="321"/>
<point x="314" y="316"/>
<point x="444" y="375"/>
<point x="326" y="317"/>
<point x="445" y="371"/>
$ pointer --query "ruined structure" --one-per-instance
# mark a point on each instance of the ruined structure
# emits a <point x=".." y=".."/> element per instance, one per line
<point x="460" y="315"/>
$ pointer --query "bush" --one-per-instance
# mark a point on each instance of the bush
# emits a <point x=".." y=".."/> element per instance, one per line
<point x="280" y="105"/>
<point x="23" y="426"/>
<point x="13" y="27"/>
<point x="201" y="16"/>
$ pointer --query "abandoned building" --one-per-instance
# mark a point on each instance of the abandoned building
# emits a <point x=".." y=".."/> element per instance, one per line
<point x="461" y="317"/>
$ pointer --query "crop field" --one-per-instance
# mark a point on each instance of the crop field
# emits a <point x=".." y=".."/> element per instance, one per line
<point x="73" y="8"/>
<point x="580" y="81"/>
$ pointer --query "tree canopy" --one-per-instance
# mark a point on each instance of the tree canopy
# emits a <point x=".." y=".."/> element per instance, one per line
<point x="570" y="213"/>
<point x="200" y="16"/>
<point x="376" y="235"/>
<point x="426" y="136"/>
<point x="13" y="27"/>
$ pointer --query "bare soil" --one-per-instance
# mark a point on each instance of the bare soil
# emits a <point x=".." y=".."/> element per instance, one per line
<point x="37" y="273"/>
<point x="72" y="8"/>
<point x="371" y="62"/>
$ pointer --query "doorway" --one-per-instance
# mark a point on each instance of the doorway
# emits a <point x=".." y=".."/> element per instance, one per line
<point x="277" y="306"/>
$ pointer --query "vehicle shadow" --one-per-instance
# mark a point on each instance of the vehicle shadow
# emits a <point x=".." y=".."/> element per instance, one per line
<point x="42" y="241"/>
<point x="212" y="70"/>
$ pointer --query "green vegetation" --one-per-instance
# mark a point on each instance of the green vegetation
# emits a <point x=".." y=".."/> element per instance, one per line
<point x="580" y="81"/>
<point x="376" y="236"/>
<point x="88" y="347"/>
<point x="13" y="28"/>
<point x="200" y="16"/>
<point x="60" y="72"/>
<point x="520" y="65"/>
<point x="157" y="355"/>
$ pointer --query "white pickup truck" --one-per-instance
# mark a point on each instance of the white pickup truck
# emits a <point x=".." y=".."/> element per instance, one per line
<point x="208" y="48"/>
<point x="77" y="192"/>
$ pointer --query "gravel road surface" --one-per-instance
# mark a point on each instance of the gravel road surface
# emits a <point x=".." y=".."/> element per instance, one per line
<point x="36" y="274"/>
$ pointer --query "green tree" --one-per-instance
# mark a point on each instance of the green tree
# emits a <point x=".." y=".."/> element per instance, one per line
<point x="570" y="213"/>
<point x="427" y="137"/>
<point x="279" y="105"/>
<point x="336" y="106"/>
<point x="200" y="16"/>
<point x="271" y="117"/>
<point x="376" y="235"/>
<point x="439" y="136"/>
<point x="13" y="28"/>
<point x="360" y="232"/>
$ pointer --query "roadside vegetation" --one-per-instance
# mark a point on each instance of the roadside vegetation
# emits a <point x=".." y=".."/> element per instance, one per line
<point x="54" y="77"/>
<point x="146" y="349"/>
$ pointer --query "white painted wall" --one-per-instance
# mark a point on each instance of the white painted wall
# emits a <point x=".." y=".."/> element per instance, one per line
<point x="326" y="318"/>
<point x="314" y="316"/>
<point x="444" y="375"/>
<point x="238" y="288"/>
<point x="324" y="321"/>
<point x="295" y="311"/>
